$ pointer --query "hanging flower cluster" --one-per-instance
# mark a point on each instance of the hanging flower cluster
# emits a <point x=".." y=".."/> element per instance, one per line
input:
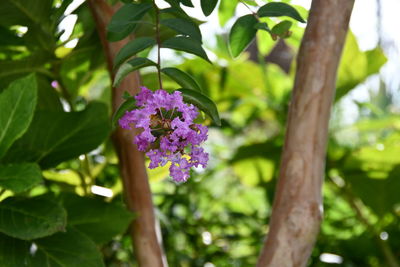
<point x="168" y="131"/>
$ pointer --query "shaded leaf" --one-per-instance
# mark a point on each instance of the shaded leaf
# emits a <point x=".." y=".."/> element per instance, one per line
<point x="182" y="78"/>
<point x="31" y="218"/>
<point x="277" y="9"/>
<point x="125" y="20"/>
<point x="202" y="102"/>
<point x="17" y="104"/>
<point x="13" y="252"/>
<point x="54" y="136"/>
<point x="183" y="26"/>
<point x="99" y="220"/>
<point x="242" y="33"/>
<point x="19" y="177"/>
<point x="127" y="105"/>
<point x="208" y="6"/>
<point x="69" y="249"/>
<point x="186" y="44"/>
<point x="131" y="65"/>
<point x="262" y="26"/>
<point x="132" y="48"/>
<point x="187" y="3"/>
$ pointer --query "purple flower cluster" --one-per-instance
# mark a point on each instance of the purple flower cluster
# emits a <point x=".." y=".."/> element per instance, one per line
<point x="168" y="131"/>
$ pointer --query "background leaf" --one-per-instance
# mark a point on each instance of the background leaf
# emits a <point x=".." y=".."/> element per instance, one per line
<point x="186" y="44"/>
<point x="242" y="33"/>
<point x="13" y="252"/>
<point x="202" y="102"/>
<point x="31" y="218"/>
<point x="208" y="6"/>
<point x="54" y="137"/>
<point x="277" y="9"/>
<point x="132" y="48"/>
<point x="19" y="177"/>
<point x="17" y="104"/>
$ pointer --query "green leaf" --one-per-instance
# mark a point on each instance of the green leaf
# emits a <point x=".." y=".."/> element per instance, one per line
<point x="182" y="78"/>
<point x="19" y="177"/>
<point x="128" y="105"/>
<point x="99" y="220"/>
<point x="183" y="26"/>
<point x="69" y="249"/>
<point x="14" y="252"/>
<point x="208" y="6"/>
<point x="262" y="26"/>
<point x="186" y="44"/>
<point x="187" y="3"/>
<point x="132" y="48"/>
<point x="242" y="33"/>
<point x="131" y="65"/>
<point x="125" y="20"/>
<point x="54" y="136"/>
<point x="17" y="104"/>
<point x="31" y="218"/>
<point x="281" y="29"/>
<point x="277" y="9"/>
<point x="202" y="102"/>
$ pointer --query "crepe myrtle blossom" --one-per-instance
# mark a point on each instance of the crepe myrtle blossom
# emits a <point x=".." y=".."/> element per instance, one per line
<point x="168" y="132"/>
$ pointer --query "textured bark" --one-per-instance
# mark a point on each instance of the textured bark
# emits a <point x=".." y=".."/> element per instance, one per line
<point x="144" y="230"/>
<point x="297" y="210"/>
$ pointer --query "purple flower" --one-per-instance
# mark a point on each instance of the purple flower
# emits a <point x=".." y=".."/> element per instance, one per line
<point x="167" y="126"/>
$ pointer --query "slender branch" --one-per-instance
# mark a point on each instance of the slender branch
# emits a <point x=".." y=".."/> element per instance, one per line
<point x="158" y="43"/>
<point x="252" y="12"/>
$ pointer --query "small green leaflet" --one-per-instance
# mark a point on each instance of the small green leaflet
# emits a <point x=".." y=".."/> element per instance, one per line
<point x="131" y="65"/>
<point x="282" y="28"/>
<point x="132" y="48"/>
<point x="242" y="33"/>
<point x="186" y="44"/>
<point x="183" y="26"/>
<point x="208" y="6"/>
<point x="182" y="78"/>
<point x="277" y="9"/>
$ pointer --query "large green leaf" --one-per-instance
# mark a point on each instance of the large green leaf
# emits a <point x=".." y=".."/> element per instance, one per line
<point x="242" y="33"/>
<point x="131" y="65"/>
<point x="208" y="6"/>
<point x="186" y="44"/>
<point x="14" y="252"/>
<point x="21" y="12"/>
<point x="182" y="78"/>
<point x="183" y="26"/>
<point x="69" y="249"/>
<point x="277" y="9"/>
<point x="31" y="218"/>
<point x="17" y="104"/>
<point x="132" y="48"/>
<point x="54" y="137"/>
<point x="19" y="177"/>
<point x="202" y="102"/>
<point x="125" y="20"/>
<point x="99" y="220"/>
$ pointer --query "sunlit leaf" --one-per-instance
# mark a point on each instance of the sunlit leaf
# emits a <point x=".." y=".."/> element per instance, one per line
<point x="19" y="177"/>
<point x="242" y="33"/>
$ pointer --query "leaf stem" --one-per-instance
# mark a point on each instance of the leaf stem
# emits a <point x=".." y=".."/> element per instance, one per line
<point x="157" y="11"/>
<point x="252" y="12"/>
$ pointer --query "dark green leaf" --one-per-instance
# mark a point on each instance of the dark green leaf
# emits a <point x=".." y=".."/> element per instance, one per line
<point x="14" y="252"/>
<point x="31" y="218"/>
<point x="69" y="249"/>
<point x="17" y="104"/>
<point x="131" y="65"/>
<point x="262" y="26"/>
<point x="186" y="44"/>
<point x="182" y="78"/>
<point x="187" y="3"/>
<point x="21" y="12"/>
<point x="127" y="105"/>
<point x="281" y="29"/>
<point x="19" y="177"/>
<point x="277" y="9"/>
<point x="125" y="20"/>
<point x="99" y="220"/>
<point x="242" y="33"/>
<point x="132" y="48"/>
<point x="183" y="26"/>
<point x="202" y="102"/>
<point x="208" y="6"/>
<point x="54" y="137"/>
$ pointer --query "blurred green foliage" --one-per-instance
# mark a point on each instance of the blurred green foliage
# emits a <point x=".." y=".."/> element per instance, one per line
<point x="221" y="214"/>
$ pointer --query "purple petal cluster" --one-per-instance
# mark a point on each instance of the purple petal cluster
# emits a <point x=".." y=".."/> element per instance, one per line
<point x="168" y="131"/>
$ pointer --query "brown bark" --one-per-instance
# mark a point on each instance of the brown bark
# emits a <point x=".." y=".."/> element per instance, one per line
<point x="297" y="209"/>
<point x="146" y="239"/>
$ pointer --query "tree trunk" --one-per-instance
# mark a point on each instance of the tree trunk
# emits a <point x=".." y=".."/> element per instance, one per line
<point x="297" y="209"/>
<point x="145" y="234"/>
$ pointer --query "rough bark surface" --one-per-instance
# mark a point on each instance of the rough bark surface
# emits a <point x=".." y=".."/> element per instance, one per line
<point x="144" y="231"/>
<point x="297" y="208"/>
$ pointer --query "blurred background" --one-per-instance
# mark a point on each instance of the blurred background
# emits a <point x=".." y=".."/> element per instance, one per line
<point x="220" y="216"/>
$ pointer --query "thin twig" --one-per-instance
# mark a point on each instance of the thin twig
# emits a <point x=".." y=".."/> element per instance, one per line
<point x="158" y="43"/>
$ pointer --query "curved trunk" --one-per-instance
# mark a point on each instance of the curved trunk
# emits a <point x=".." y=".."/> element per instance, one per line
<point x="297" y="208"/>
<point x="144" y="231"/>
